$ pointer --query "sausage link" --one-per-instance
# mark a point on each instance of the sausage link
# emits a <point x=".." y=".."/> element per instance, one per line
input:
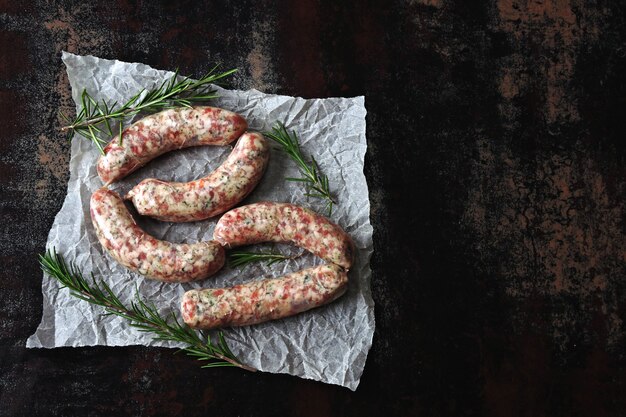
<point x="263" y="300"/>
<point x="282" y="222"/>
<point x="209" y="196"/>
<point x="140" y="252"/>
<point x="165" y="131"/>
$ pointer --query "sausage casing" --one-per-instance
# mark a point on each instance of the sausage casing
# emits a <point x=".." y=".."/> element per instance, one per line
<point x="282" y="222"/>
<point x="165" y="131"/>
<point x="263" y="300"/>
<point x="140" y="252"/>
<point x="230" y="183"/>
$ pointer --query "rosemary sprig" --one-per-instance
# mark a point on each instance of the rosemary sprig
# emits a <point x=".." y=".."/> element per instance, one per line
<point x="243" y="258"/>
<point x="142" y="316"/>
<point x="96" y="117"/>
<point x="316" y="182"/>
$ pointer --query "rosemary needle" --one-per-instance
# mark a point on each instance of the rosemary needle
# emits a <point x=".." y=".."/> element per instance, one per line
<point x="243" y="258"/>
<point x="141" y="315"/>
<point x="315" y="181"/>
<point x="96" y="117"/>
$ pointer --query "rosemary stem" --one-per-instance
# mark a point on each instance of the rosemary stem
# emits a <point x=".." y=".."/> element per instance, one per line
<point x="316" y="183"/>
<point x="140" y="315"/>
<point x="102" y="118"/>
<point x="93" y="121"/>
<point x="234" y="363"/>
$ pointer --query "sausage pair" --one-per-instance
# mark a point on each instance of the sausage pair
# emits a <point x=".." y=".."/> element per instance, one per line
<point x="143" y="141"/>
<point x="268" y="299"/>
<point x="243" y="304"/>
<point x="179" y="128"/>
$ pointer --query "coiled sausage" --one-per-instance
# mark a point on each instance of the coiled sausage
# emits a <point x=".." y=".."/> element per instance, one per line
<point x="282" y="222"/>
<point x="263" y="300"/>
<point x="209" y="196"/>
<point x="140" y="252"/>
<point x="165" y="131"/>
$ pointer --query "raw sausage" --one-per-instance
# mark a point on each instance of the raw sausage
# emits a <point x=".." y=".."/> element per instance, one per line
<point x="263" y="300"/>
<point x="138" y="251"/>
<point x="208" y="196"/>
<point x="282" y="222"/>
<point x="165" y="131"/>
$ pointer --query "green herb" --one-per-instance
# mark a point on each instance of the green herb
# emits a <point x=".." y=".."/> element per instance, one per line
<point x="95" y="117"/>
<point x="243" y="258"/>
<point x="140" y="315"/>
<point x="315" y="182"/>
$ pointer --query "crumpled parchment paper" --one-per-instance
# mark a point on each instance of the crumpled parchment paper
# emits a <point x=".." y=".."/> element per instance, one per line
<point x="328" y="344"/>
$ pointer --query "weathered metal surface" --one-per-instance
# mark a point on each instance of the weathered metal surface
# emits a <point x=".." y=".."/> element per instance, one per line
<point x="496" y="173"/>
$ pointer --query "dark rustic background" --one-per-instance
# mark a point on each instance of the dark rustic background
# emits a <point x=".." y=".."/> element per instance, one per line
<point x="496" y="173"/>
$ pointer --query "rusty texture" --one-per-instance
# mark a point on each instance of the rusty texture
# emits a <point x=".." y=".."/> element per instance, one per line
<point x="496" y="172"/>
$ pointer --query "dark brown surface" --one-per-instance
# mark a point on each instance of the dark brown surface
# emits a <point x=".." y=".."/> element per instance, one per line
<point x="496" y="173"/>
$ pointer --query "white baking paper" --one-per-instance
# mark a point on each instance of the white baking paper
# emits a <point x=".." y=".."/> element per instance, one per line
<point x="328" y="344"/>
